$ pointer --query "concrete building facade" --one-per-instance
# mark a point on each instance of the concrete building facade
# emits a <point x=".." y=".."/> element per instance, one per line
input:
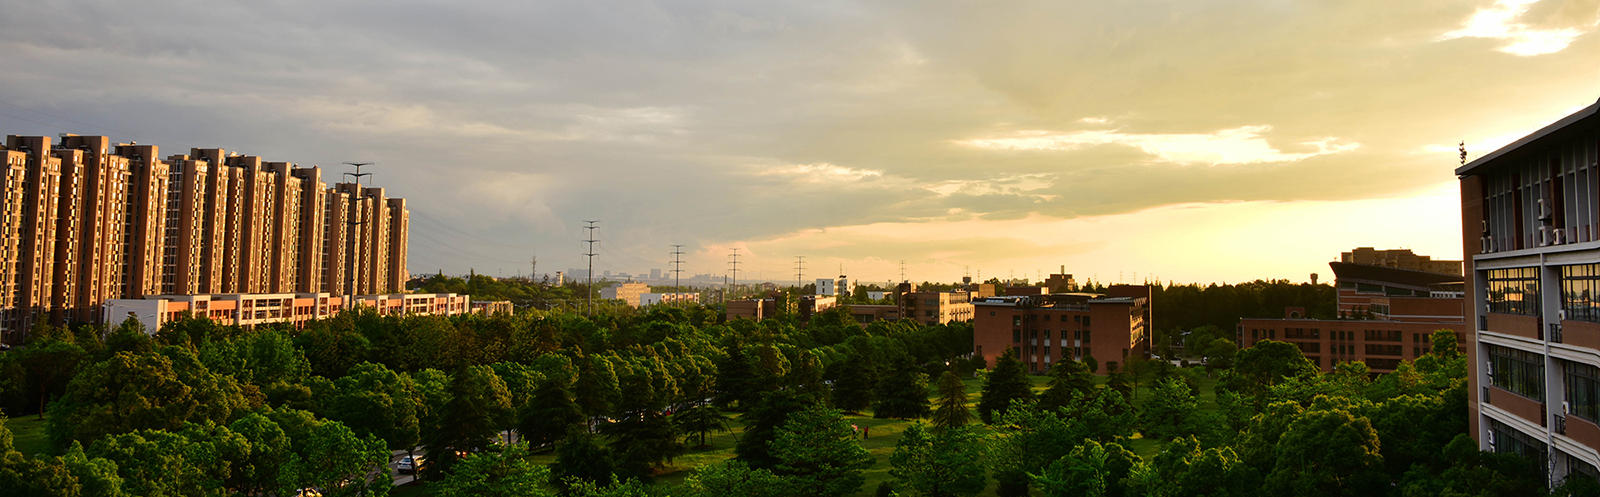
<point x="89" y="221"/>
<point x="841" y="287"/>
<point x="936" y="307"/>
<point x="628" y="293"/>
<point x="1530" y="216"/>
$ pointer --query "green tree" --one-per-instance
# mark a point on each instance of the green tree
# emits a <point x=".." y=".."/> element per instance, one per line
<point x="952" y="407"/>
<point x="762" y="423"/>
<point x="736" y="479"/>
<point x="373" y="400"/>
<point x="1068" y="380"/>
<point x="150" y="392"/>
<point x="49" y="365"/>
<point x="903" y="394"/>
<point x="580" y="459"/>
<point x="261" y="471"/>
<point x="818" y="453"/>
<point x="509" y="473"/>
<point x="1006" y="383"/>
<point x="1327" y="451"/>
<point x="550" y="413"/>
<point x="1170" y="411"/>
<point x="852" y="390"/>
<point x="702" y="419"/>
<point x="1265" y="364"/>
<point x="157" y="463"/>
<point x="469" y="421"/>
<point x="938" y="465"/>
<point x="642" y="437"/>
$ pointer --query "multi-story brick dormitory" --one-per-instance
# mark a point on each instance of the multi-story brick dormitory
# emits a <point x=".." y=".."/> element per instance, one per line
<point x="87" y="221"/>
<point x="1530" y="215"/>
<point x="1045" y="329"/>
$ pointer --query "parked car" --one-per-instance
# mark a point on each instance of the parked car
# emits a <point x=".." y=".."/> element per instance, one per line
<point x="409" y="465"/>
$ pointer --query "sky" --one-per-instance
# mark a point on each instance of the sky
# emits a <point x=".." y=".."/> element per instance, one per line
<point x="1216" y="141"/>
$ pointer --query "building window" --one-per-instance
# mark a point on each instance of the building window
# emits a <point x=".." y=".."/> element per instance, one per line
<point x="1508" y="440"/>
<point x="1583" y="390"/>
<point x="1580" y="287"/>
<point x="1513" y="291"/>
<point x="1016" y="335"/>
<point x="1517" y="371"/>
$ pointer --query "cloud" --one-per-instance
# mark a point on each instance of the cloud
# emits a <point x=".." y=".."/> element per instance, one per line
<point x="1501" y="21"/>
<point x="819" y="173"/>
<point x="1243" y="145"/>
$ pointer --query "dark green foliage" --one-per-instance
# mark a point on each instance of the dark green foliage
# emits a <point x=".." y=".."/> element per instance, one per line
<point x="938" y="464"/>
<point x="130" y="392"/>
<point x="761" y="426"/>
<point x="903" y="394"/>
<point x="952" y="409"/>
<point x="701" y="419"/>
<point x="580" y="458"/>
<point x="817" y="452"/>
<point x="478" y="404"/>
<point x="641" y="435"/>
<point x="1068" y="379"/>
<point x="735" y="479"/>
<point x="550" y="413"/>
<point x="1007" y="382"/>
<point x="855" y="381"/>
<point x="1089" y="470"/>
<point x="1170" y="412"/>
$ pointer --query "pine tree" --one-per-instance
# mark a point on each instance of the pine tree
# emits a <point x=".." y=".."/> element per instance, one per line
<point x="761" y="426"/>
<point x="580" y="459"/>
<point x="903" y="394"/>
<point x="1006" y="383"/>
<point x="549" y="414"/>
<point x="1069" y="380"/>
<point x="818" y="453"/>
<point x="952" y="411"/>
<point x="852" y="391"/>
<point x="642" y="437"/>
<point x="701" y="419"/>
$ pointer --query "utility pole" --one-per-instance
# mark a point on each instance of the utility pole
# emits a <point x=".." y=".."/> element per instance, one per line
<point x="677" y="271"/>
<point x="799" y="272"/>
<point x="589" y="305"/>
<point x="733" y="260"/>
<point x="351" y="223"/>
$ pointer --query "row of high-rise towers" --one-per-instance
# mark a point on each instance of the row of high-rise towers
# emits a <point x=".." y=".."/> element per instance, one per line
<point x="87" y="220"/>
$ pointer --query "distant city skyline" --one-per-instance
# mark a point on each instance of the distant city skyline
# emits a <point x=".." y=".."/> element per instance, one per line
<point x="1215" y="142"/>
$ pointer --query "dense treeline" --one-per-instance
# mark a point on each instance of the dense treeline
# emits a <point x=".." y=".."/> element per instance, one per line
<point x="1185" y="307"/>
<point x="201" y="409"/>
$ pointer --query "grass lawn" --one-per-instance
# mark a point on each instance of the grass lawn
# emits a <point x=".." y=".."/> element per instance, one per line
<point x="27" y="433"/>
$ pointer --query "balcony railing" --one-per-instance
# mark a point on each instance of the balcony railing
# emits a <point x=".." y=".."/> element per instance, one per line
<point x="1558" y="423"/>
<point x="1483" y="323"/>
<point x="1485" y="397"/>
<point x="1555" y="333"/>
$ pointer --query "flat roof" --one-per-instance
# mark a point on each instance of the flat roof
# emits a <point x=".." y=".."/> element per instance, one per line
<point x="1509" y="151"/>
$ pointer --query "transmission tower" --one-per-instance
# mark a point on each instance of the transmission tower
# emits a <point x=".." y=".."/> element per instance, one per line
<point x="902" y="270"/>
<point x="589" y="305"/>
<point x="733" y="260"/>
<point x="533" y="268"/>
<point x="355" y="198"/>
<point x="799" y="271"/>
<point x="677" y="264"/>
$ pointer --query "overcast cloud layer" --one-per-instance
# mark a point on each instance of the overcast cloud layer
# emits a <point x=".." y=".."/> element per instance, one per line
<point x="1004" y="137"/>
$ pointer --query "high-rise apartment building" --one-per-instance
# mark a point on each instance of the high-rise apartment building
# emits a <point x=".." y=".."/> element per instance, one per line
<point x="88" y="221"/>
<point x="1530" y="216"/>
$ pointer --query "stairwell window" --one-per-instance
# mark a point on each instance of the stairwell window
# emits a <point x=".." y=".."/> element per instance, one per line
<point x="1513" y="291"/>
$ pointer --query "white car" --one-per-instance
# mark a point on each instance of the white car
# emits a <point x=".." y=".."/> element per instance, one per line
<point x="408" y="465"/>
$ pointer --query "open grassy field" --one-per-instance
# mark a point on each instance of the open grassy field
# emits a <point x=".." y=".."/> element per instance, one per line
<point x="27" y="433"/>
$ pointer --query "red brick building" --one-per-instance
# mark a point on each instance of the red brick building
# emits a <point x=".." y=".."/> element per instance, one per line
<point x="1389" y="314"/>
<point x="1049" y="328"/>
